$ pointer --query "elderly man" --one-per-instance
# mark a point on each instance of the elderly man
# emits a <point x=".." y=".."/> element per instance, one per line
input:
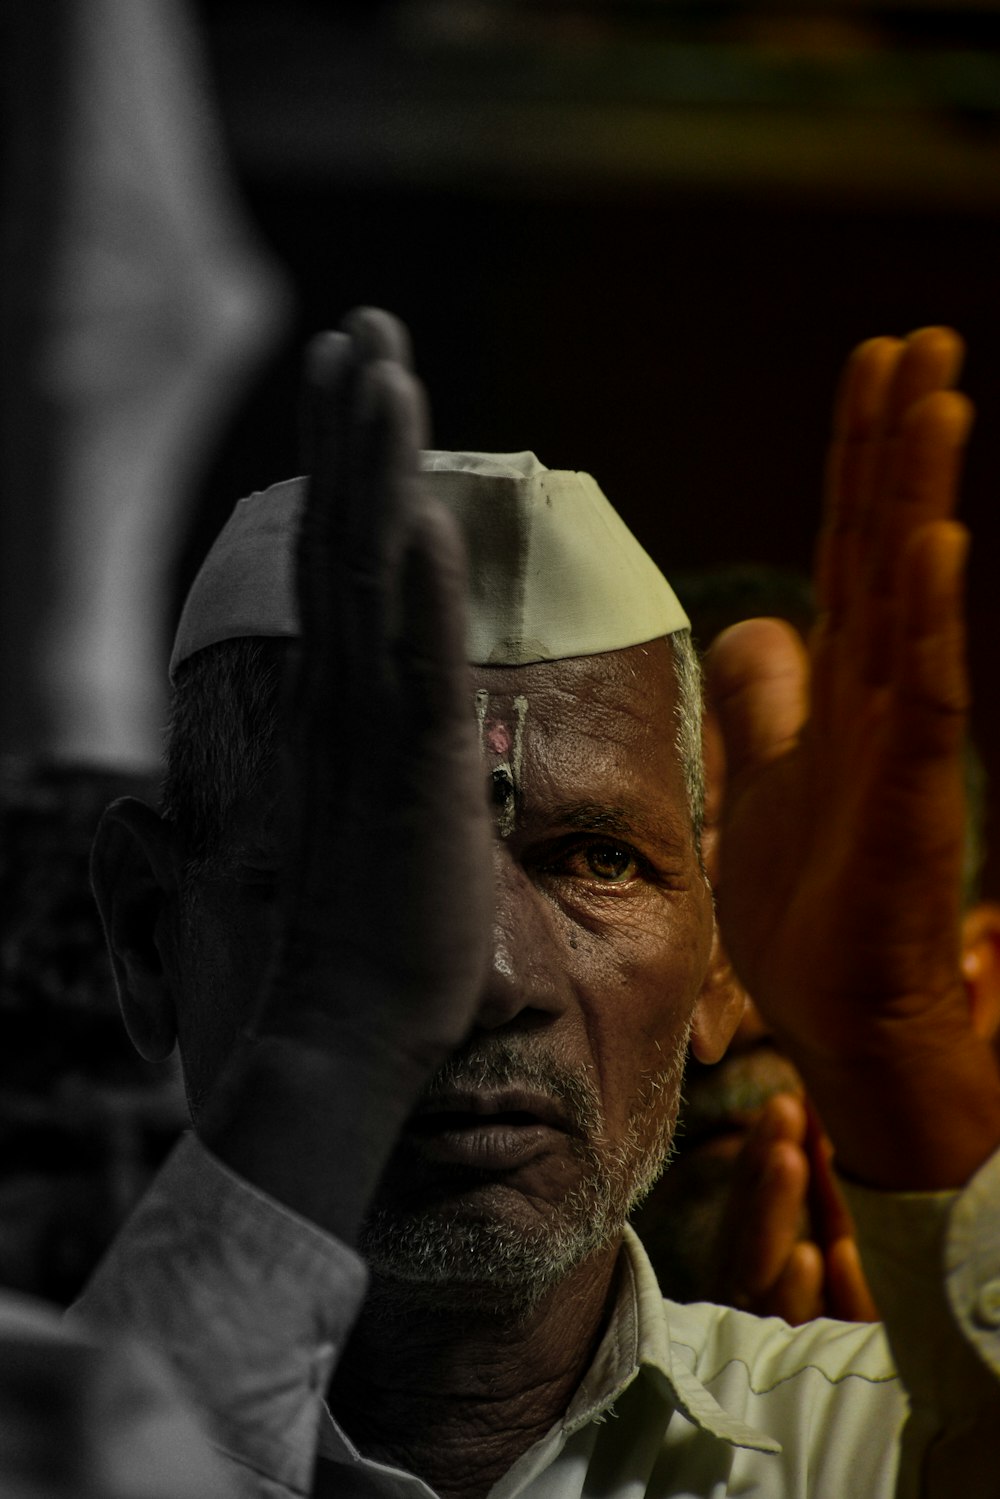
<point x="474" y="1106"/>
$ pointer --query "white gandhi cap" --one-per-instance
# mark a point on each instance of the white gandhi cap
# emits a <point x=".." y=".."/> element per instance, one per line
<point x="553" y="569"/>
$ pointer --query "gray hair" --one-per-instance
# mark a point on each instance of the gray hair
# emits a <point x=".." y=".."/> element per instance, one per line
<point x="222" y="737"/>
<point x="687" y="719"/>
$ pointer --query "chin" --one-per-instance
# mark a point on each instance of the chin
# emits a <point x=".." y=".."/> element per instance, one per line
<point x="492" y="1250"/>
<point x="488" y="1254"/>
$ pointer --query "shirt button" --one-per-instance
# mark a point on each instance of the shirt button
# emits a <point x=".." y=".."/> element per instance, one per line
<point x="987" y="1308"/>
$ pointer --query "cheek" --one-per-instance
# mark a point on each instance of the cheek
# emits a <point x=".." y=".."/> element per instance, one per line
<point x="638" y="983"/>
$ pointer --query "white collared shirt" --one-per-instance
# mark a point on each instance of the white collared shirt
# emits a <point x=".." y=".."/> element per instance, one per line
<point x="253" y="1305"/>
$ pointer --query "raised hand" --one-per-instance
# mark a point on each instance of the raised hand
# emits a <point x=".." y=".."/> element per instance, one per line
<point x="786" y="1244"/>
<point x="389" y="879"/>
<point x="842" y="842"/>
<point x="386" y="889"/>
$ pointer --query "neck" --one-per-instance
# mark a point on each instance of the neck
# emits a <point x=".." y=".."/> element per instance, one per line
<point x="455" y="1394"/>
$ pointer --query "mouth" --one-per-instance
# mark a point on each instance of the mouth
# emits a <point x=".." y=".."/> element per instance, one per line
<point x="491" y="1131"/>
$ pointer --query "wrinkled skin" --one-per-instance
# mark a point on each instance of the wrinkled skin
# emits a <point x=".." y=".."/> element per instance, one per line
<point x="602" y="917"/>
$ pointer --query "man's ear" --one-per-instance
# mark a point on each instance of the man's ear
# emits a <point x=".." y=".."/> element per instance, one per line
<point x="134" y="870"/>
<point x="981" y="967"/>
<point x="719" y="1008"/>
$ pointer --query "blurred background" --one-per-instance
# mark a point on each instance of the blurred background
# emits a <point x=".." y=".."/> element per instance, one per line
<point x="636" y="236"/>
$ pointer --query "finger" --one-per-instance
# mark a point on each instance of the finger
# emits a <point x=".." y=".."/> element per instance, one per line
<point x="329" y="371"/>
<point x="351" y="422"/>
<point x="362" y="522"/>
<point x="785" y="1116"/>
<point x="763" y="1221"/>
<point x="376" y="334"/>
<point x="331" y="359"/>
<point x="932" y="697"/>
<point x="797" y="1295"/>
<point x="328" y="364"/>
<point x="883" y="379"/>
<point x="778" y="1273"/>
<point x="858" y="409"/>
<point x="757" y="680"/>
<point x="847" y="1292"/>
<point x="923" y="486"/>
<point x="442" y="752"/>
<point x="388" y="429"/>
<point x="369" y="423"/>
<point x="924" y="733"/>
<point x="828" y="1211"/>
<point x="932" y="438"/>
<point x="929" y="362"/>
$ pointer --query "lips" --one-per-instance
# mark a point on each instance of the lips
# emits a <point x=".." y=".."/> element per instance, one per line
<point x="489" y="1104"/>
<point x="490" y="1130"/>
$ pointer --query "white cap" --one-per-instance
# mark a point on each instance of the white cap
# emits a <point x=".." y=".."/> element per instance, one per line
<point x="553" y="569"/>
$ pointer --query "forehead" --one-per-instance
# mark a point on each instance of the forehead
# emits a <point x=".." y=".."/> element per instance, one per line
<point x="589" y="729"/>
<point x="594" y="727"/>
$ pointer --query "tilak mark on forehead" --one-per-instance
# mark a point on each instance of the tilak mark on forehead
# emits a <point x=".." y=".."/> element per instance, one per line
<point x="507" y="747"/>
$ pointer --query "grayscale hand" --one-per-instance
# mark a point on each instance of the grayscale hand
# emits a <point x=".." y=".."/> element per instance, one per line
<point x="387" y="883"/>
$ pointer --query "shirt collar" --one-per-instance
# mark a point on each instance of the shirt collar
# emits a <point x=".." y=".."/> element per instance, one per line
<point x="638" y="1339"/>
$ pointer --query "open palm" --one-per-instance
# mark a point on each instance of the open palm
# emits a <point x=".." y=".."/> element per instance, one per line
<point x="842" y="841"/>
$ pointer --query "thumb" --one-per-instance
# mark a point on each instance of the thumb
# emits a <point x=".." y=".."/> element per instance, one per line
<point x="757" y="682"/>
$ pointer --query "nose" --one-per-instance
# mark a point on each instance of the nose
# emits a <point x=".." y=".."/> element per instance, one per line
<point x="528" y="979"/>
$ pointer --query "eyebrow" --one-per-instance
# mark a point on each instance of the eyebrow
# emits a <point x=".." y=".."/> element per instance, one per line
<point x="622" y="821"/>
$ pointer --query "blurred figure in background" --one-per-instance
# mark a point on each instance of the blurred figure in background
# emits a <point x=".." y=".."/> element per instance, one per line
<point x="135" y="304"/>
<point x="749" y="1214"/>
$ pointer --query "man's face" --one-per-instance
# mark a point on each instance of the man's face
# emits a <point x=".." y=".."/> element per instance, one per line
<point x="681" y="1222"/>
<point x="723" y="1101"/>
<point x="527" y="1149"/>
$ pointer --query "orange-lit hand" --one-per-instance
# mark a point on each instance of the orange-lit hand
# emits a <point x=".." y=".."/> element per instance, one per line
<point x="842" y="839"/>
<point x="786" y="1245"/>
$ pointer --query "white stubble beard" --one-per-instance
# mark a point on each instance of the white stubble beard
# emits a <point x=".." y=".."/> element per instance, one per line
<point x="508" y="1265"/>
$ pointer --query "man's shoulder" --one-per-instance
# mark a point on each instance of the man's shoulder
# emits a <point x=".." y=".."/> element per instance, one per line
<point x="707" y="1339"/>
<point x="817" y="1393"/>
<point x="710" y="1339"/>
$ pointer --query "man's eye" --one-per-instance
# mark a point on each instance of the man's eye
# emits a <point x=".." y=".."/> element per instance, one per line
<point x="611" y="861"/>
